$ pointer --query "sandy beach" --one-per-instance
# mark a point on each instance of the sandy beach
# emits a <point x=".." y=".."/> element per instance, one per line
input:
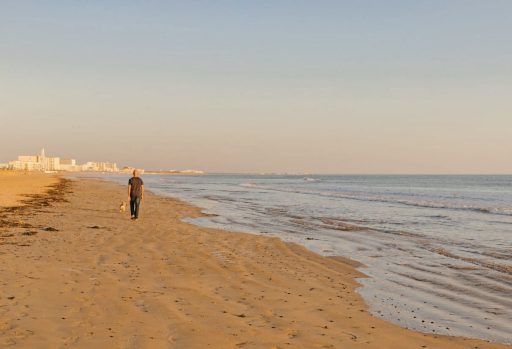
<point x="77" y="273"/>
<point x="16" y="186"/>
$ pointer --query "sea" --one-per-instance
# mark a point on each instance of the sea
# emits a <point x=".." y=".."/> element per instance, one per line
<point x="437" y="249"/>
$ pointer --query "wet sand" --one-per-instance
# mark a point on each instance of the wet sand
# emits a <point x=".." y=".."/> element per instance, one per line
<point x="78" y="273"/>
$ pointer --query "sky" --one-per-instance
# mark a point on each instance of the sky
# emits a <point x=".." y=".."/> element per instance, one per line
<point x="260" y="86"/>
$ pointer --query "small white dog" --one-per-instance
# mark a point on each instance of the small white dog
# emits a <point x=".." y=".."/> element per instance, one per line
<point x="122" y="207"/>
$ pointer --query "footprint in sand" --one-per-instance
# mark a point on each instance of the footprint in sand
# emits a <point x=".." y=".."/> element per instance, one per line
<point x="221" y="256"/>
<point x="141" y="305"/>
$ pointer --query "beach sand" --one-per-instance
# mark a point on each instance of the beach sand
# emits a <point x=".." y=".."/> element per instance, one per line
<point x="16" y="185"/>
<point x="77" y="273"/>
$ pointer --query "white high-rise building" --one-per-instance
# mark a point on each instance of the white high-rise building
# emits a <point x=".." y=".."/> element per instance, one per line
<point x="28" y="158"/>
<point x="42" y="160"/>
<point x="52" y="164"/>
<point x="36" y="163"/>
<point x="26" y="163"/>
<point x="69" y="165"/>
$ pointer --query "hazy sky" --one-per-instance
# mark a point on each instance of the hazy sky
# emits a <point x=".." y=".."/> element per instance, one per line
<point x="252" y="86"/>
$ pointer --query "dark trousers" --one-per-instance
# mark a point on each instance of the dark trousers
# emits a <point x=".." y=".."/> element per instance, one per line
<point x="134" y="206"/>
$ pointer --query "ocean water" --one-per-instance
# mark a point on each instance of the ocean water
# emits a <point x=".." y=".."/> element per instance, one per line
<point x="437" y="249"/>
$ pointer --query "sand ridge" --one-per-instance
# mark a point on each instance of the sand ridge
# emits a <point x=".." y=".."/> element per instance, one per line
<point x="80" y="274"/>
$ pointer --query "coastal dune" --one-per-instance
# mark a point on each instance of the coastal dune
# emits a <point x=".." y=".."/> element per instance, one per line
<point x="77" y="273"/>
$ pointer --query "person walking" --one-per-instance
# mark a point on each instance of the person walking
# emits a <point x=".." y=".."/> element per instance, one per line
<point x="135" y="194"/>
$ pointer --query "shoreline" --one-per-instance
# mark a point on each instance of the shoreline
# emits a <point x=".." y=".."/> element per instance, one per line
<point x="162" y="282"/>
<point x="410" y="283"/>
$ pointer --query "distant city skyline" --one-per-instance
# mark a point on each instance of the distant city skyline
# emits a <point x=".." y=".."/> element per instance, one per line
<point x="44" y="162"/>
<point x="248" y="87"/>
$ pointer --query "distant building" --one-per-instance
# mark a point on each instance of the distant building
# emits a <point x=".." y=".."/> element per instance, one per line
<point x="28" y="158"/>
<point x="35" y="163"/>
<point x="26" y="166"/>
<point x="52" y="164"/>
<point x="71" y="162"/>
<point x="27" y="163"/>
<point x="69" y="165"/>
<point x="108" y="167"/>
<point x="191" y="172"/>
<point x="42" y="162"/>
<point x="129" y="169"/>
<point x="100" y="166"/>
